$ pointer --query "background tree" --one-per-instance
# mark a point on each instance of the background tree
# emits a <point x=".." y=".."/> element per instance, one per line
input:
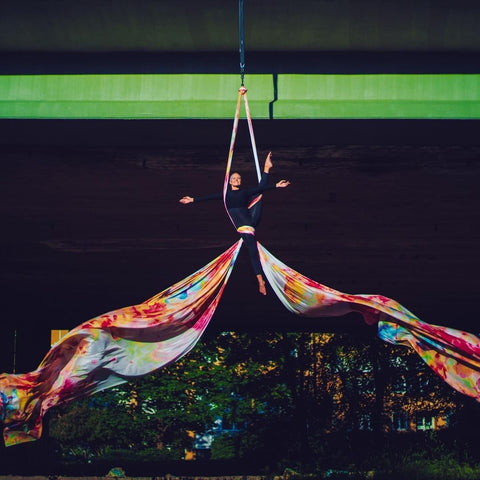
<point x="303" y="400"/>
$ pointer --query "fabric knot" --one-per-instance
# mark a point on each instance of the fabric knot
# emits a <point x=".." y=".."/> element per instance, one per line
<point x="246" y="229"/>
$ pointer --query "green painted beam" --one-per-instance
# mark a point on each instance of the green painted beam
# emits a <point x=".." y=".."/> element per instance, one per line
<point x="129" y="96"/>
<point x="210" y="96"/>
<point x="411" y="96"/>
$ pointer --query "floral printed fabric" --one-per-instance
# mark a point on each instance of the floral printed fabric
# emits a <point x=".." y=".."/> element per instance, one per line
<point x="454" y="355"/>
<point x="111" y="348"/>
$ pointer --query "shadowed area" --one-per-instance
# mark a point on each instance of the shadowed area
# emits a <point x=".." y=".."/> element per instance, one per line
<point x="86" y="231"/>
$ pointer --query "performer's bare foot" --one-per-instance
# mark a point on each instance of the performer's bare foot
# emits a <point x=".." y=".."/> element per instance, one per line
<point x="268" y="163"/>
<point x="261" y="285"/>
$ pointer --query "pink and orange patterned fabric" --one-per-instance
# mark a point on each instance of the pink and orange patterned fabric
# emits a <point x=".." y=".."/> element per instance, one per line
<point x="454" y="355"/>
<point x="112" y="348"/>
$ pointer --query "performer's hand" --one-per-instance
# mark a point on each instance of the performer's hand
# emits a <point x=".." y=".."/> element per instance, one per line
<point x="268" y="163"/>
<point x="186" y="200"/>
<point x="282" y="184"/>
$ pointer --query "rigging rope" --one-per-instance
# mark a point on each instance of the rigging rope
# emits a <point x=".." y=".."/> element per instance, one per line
<point x="241" y="32"/>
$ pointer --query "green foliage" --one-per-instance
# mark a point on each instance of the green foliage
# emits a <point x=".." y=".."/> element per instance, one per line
<point x="420" y="468"/>
<point x="444" y="469"/>
<point x="307" y="401"/>
<point x="85" y="428"/>
<point x="225" y="447"/>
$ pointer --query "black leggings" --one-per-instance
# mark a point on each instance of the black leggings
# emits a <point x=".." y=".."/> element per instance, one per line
<point x="251" y="244"/>
<point x="250" y="217"/>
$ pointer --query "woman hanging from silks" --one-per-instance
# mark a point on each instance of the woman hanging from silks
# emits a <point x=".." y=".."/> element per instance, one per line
<point x="237" y="201"/>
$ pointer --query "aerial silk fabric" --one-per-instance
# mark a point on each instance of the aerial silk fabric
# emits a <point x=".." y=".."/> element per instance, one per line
<point x="113" y="348"/>
<point x="454" y="355"/>
<point x="130" y="342"/>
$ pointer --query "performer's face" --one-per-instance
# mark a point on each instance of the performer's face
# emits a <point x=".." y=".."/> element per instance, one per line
<point x="235" y="180"/>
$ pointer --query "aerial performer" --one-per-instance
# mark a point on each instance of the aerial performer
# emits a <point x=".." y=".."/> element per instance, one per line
<point x="237" y="201"/>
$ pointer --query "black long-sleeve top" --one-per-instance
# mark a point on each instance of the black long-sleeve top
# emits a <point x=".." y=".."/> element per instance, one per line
<point x="238" y="200"/>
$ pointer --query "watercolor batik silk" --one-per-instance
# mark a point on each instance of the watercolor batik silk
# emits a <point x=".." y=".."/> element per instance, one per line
<point x="454" y="355"/>
<point x="123" y="344"/>
<point x="112" y="348"/>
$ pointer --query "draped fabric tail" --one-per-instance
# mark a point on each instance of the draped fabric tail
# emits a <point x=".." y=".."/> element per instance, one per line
<point x="454" y="355"/>
<point x="112" y="348"/>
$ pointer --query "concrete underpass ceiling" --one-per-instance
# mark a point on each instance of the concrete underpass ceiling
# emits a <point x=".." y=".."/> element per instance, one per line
<point x="212" y="26"/>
